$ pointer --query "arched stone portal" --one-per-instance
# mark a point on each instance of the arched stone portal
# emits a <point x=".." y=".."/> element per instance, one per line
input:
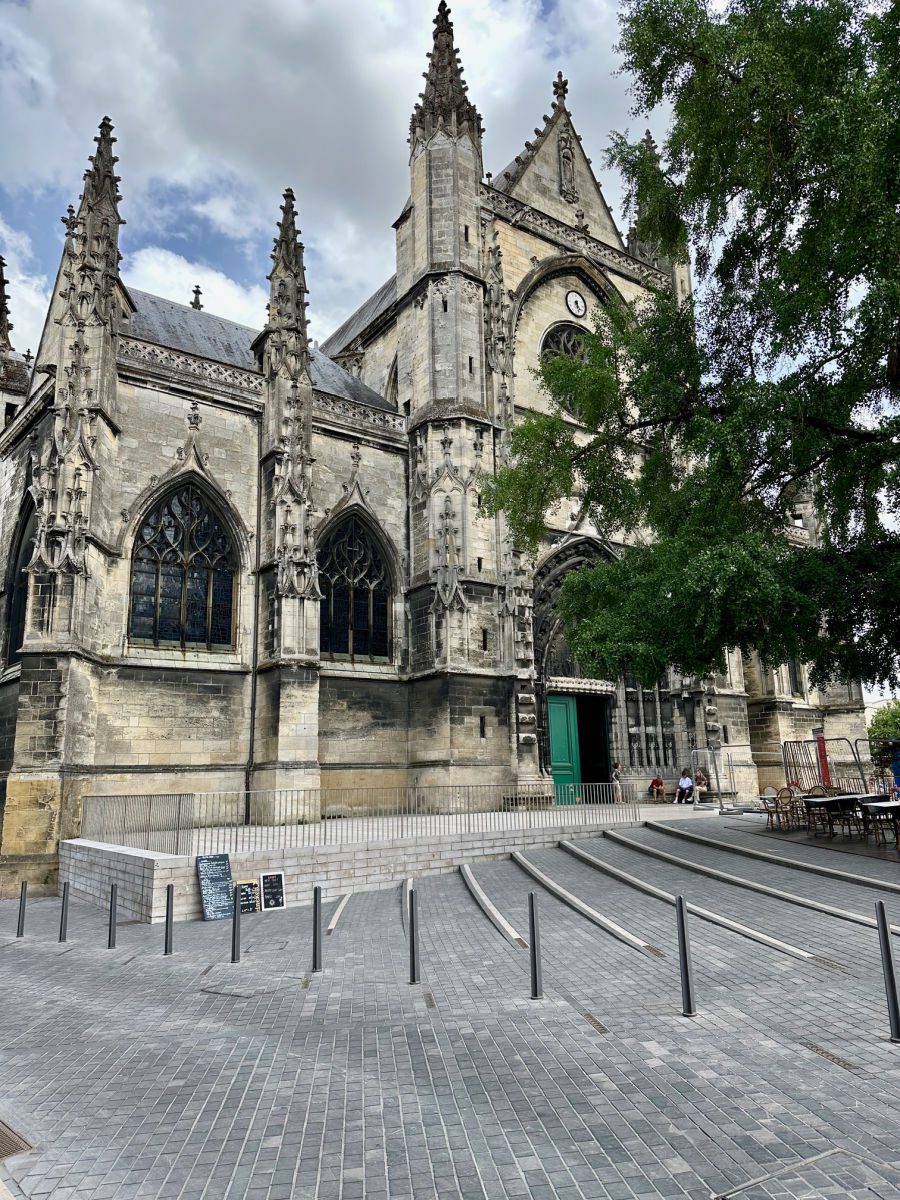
<point x="584" y="725"/>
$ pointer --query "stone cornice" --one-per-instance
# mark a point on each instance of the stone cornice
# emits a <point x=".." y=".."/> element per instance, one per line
<point x="539" y="223"/>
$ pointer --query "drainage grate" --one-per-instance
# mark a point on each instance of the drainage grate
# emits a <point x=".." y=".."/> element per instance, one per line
<point x="833" y="1058"/>
<point x="429" y="1000"/>
<point x="592" y="1020"/>
<point x="11" y="1142"/>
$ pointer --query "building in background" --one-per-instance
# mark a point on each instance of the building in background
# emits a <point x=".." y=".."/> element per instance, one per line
<point x="235" y="561"/>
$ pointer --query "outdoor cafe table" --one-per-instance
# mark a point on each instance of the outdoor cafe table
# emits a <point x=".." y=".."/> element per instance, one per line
<point x="833" y="804"/>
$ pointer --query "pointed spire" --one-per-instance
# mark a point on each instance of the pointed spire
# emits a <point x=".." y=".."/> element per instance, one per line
<point x="101" y="184"/>
<point x="639" y="247"/>
<point x="5" y="323"/>
<point x="444" y="103"/>
<point x="287" y="296"/>
<point x="91" y="255"/>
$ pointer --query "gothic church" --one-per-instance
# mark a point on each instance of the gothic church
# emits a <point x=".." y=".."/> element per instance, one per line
<point x="233" y="560"/>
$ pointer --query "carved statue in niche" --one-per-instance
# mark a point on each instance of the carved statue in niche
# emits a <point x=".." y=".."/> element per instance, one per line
<point x="567" y="168"/>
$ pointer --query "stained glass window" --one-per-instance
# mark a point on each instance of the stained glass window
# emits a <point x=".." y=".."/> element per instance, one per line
<point x="183" y="575"/>
<point x="18" y="589"/>
<point x="355" y="584"/>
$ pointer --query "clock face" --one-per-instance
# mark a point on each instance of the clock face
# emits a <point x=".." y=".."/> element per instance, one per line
<point x="576" y="304"/>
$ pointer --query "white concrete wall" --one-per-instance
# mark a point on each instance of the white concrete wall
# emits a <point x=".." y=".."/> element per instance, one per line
<point x="142" y="875"/>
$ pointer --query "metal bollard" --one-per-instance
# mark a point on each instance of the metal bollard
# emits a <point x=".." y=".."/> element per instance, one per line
<point x="236" y="926"/>
<point x="64" y="913"/>
<point x="890" y="971"/>
<point x="317" y="929"/>
<point x="23" y="896"/>
<point x="534" y="948"/>
<point x="688" y="1004"/>
<point x="170" y="913"/>
<point x="113" y="895"/>
<point x="413" y="938"/>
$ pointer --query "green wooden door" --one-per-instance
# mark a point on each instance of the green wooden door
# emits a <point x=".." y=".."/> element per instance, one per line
<point x="565" y="761"/>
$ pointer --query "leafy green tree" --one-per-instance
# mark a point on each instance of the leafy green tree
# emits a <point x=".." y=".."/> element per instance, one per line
<point x="886" y="722"/>
<point x="708" y="425"/>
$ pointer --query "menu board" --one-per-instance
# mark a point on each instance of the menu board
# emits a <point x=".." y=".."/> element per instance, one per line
<point x="272" y="884"/>
<point x="249" y="893"/>
<point x="216" y="888"/>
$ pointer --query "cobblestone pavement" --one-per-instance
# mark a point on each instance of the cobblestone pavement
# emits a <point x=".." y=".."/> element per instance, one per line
<point x="137" y="1076"/>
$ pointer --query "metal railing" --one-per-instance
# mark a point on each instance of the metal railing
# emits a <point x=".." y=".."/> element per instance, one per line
<point x="231" y="821"/>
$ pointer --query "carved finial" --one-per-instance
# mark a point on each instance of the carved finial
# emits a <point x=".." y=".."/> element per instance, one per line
<point x="195" y="303"/>
<point x="5" y="323"/>
<point x="560" y="88"/>
<point x="444" y="104"/>
<point x="29" y="357"/>
<point x="194" y="418"/>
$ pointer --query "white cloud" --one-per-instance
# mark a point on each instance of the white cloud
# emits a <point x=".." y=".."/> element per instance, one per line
<point x="154" y="269"/>
<point x="29" y="288"/>
<point x="219" y="107"/>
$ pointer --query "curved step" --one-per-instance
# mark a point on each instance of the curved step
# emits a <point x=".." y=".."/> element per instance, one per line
<point x="493" y="914"/>
<point x="780" y="860"/>
<point x="585" y="910"/>
<point x="739" y="881"/>
<point x="706" y="914"/>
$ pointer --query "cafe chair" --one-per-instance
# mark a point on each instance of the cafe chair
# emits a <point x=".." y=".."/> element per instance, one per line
<point x="818" y="819"/>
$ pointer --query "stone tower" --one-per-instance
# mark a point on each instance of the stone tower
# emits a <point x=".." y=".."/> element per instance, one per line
<point x="455" y="650"/>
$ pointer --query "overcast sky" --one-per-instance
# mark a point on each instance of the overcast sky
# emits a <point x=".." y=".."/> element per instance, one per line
<point x="219" y="106"/>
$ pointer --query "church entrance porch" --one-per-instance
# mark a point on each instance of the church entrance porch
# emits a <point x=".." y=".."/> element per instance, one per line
<point x="578" y="728"/>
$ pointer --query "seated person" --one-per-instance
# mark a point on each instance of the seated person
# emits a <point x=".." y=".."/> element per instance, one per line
<point x="685" y="792"/>
<point x="701" y="783"/>
<point x="657" y="789"/>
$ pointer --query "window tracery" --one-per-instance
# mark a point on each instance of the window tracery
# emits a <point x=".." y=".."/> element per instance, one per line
<point x="18" y="588"/>
<point x="566" y="339"/>
<point x="183" y="572"/>
<point x="355" y="584"/>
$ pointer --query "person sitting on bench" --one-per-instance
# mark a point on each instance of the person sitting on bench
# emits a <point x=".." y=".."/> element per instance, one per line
<point x="657" y="789"/>
<point x="700" y="785"/>
<point x="685" y="793"/>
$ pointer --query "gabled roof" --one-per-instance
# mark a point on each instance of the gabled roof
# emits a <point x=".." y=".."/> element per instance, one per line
<point x="367" y="312"/>
<point x="516" y="179"/>
<point x="195" y="331"/>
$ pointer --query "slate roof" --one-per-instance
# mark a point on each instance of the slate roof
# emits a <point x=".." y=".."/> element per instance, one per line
<point x="362" y="318"/>
<point x="195" y="331"/>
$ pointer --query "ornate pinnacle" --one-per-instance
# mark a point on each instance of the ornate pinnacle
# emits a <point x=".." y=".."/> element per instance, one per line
<point x="5" y="323"/>
<point x="288" y="249"/>
<point x="444" y="103"/>
<point x="195" y="303"/>
<point x="288" y="342"/>
<point x="101" y="184"/>
<point x="560" y="89"/>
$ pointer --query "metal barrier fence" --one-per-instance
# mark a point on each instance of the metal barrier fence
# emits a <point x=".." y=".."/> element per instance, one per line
<point x="232" y="821"/>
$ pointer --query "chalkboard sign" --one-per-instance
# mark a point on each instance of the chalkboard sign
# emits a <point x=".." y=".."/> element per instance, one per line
<point x="249" y="893"/>
<point x="272" y="883"/>
<point x="216" y="888"/>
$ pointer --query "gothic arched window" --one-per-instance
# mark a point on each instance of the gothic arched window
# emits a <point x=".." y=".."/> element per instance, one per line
<point x="183" y="572"/>
<point x="356" y="593"/>
<point x="566" y="339"/>
<point x="17" y="587"/>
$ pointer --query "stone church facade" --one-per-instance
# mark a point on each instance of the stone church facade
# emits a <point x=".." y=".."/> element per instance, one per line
<point x="235" y="560"/>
